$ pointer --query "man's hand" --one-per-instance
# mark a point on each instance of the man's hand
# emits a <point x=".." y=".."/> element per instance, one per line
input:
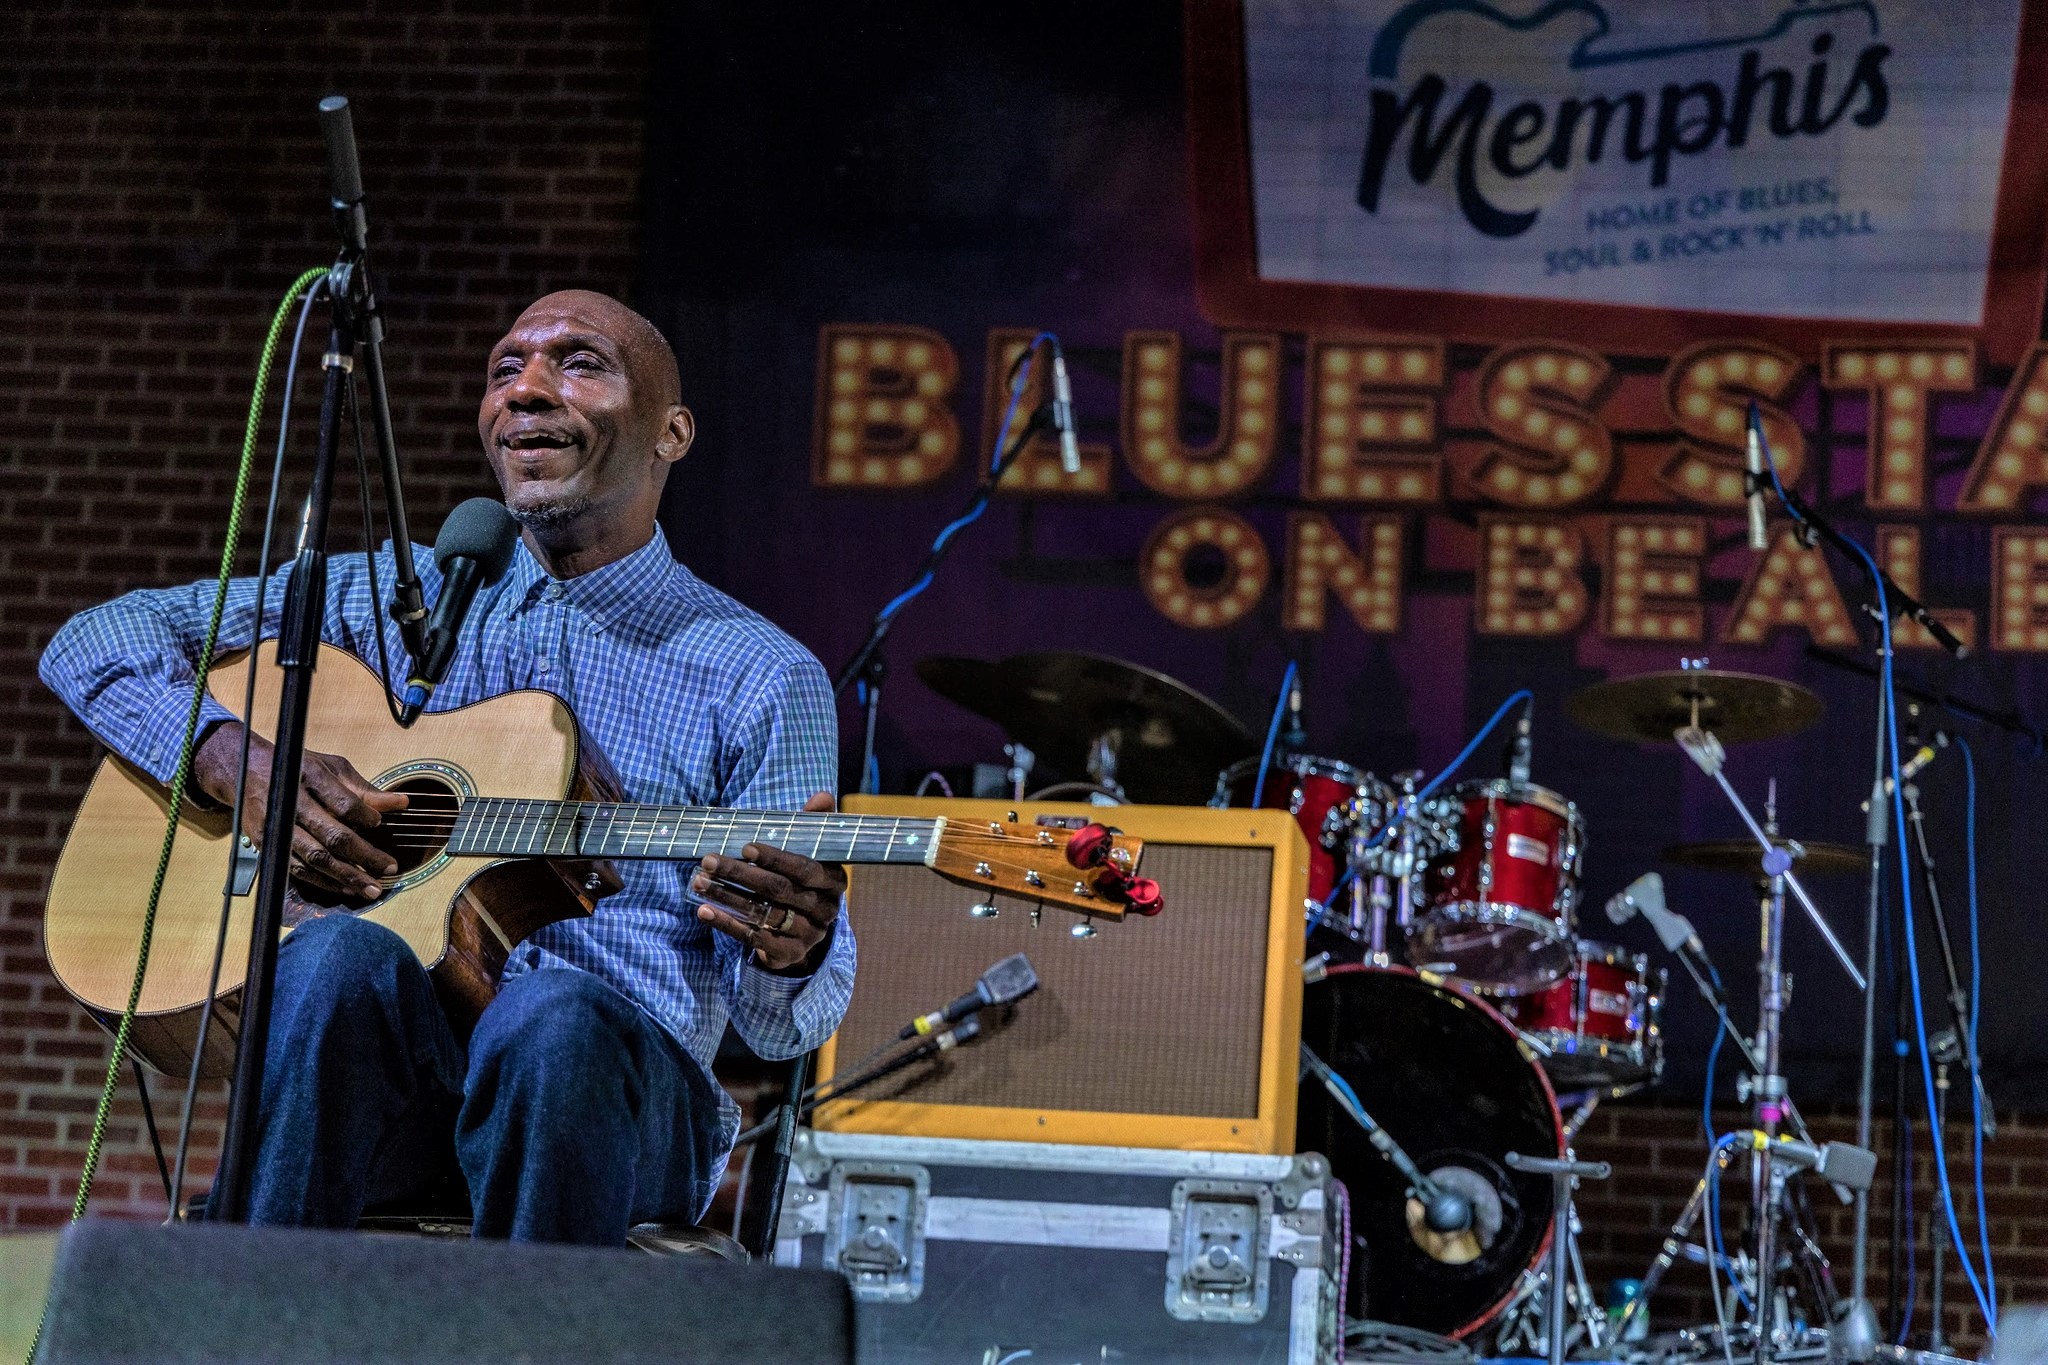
<point x="786" y="904"/>
<point x="336" y="803"/>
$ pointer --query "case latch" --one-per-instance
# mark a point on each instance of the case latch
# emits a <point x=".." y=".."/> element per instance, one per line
<point x="1216" y="1257"/>
<point x="874" y="1228"/>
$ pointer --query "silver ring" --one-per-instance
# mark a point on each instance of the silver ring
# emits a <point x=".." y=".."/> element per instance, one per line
<point x="788" y="918"/>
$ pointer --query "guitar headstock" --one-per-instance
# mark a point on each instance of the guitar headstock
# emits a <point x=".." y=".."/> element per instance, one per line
<point x="1088" y="868"/>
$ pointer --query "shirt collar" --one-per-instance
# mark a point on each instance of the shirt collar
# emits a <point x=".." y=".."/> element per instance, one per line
<point x="604" y="594"/>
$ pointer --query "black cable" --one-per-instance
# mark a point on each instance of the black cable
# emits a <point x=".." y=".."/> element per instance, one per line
<point x="355" y="423"/>
<point x="227" y="901"/>
<point x="922" y="1050"/>
<point x="149" y="1121"/>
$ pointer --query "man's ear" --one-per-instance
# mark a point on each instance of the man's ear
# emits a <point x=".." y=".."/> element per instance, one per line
<point x="676" y="435"/>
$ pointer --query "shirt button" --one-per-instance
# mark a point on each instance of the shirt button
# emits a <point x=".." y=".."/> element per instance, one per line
<point x="555" y="592"/>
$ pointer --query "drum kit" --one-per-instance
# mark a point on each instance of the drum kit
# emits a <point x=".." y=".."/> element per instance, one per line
<point x="1458" y="1029"/>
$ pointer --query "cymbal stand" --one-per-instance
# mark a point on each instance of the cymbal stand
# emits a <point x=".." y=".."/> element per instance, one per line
<point x="1674" y="1240"/>
<point x="1958" y="994"/>
<point x="1945" y="1050"/>
<point x="1565" y="1172"/>
<point x="1769" y="1095"/>
<point x="1767" y="1179"/>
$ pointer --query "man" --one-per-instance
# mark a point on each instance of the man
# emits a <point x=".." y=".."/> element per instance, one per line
<point x="583" y="1103"/>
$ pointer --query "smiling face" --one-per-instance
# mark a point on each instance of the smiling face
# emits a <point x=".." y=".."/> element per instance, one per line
<point x="580" y="421"/>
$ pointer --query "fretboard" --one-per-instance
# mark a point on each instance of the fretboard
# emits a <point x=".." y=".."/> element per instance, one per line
<point x="506" y="827"/>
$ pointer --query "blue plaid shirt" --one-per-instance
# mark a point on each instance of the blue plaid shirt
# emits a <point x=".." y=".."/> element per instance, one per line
<point x="694" y="698"/>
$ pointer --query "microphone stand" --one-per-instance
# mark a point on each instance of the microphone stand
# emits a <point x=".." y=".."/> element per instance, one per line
<point x="867" y="664"/>
<point x="354" y="323"/>
<point x="1856" y="1326"/>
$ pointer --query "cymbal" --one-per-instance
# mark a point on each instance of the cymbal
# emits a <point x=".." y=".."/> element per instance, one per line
<point x="1743" y="856"/>
<point x="1170" y="740"/>
<point x="1733" y="706"/>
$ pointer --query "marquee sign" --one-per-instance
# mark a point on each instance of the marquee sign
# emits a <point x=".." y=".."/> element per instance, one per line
<point x="1576" y="494"/>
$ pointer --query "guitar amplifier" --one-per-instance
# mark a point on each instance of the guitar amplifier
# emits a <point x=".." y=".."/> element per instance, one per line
<point x="1176" y="1031"/>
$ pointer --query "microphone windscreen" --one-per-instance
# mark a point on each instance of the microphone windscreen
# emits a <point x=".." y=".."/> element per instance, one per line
<point x="1645" y="893"/>
<point x="480" y="529"/>
<point x="1011" y="979"/>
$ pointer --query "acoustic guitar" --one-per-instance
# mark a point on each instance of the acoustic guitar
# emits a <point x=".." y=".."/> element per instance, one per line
<point x="514" y="822"/>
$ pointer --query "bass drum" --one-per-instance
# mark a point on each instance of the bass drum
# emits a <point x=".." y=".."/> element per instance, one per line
<point x="1446" y="1077"/>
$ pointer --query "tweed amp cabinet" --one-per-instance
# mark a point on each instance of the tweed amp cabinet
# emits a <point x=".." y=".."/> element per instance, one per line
<point x="1177" y="1031"/>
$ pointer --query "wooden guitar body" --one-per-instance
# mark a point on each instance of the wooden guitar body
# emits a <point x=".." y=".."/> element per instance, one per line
<point x="460" y="914"/>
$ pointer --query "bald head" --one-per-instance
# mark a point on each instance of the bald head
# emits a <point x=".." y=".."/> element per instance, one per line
<point x="647" y="352"/>
<point x="581" y="420"/>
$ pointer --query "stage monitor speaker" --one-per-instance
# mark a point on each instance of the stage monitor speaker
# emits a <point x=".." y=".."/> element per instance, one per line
<point x="1177" y="1031"/>
<point x="135" y="1292"/>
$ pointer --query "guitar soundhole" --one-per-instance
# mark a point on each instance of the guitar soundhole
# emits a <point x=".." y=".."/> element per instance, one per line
<point x="413" y="837"/>
<point x="416" y="835"/>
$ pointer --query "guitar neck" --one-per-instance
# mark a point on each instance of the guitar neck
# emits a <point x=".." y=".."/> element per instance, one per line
<point x="505" y="827"/>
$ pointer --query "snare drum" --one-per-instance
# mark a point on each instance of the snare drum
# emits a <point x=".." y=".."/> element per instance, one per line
<point x="1600" y="1024"/>
<point x="1328" y="798"/>
<point x="1498" y="899"/>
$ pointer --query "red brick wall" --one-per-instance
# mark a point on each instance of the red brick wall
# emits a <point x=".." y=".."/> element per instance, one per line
<point x="163" y="181"/>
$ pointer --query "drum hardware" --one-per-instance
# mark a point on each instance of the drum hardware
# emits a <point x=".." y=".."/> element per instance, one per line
<point x="1018" y="774"/>
<point x="1565" y="1172"/>
<point x="1455" y="1218"/>
<point x="1333" y="802"/>
<point x="1450" y="1080"/>
<point x="1129" y="729"/>
<point x="1771" y="1102"/>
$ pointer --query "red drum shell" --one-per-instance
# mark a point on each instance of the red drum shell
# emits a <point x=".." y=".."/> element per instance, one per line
<point x="1498" y="908"/>
<point x="1601" y="1022"/>
<point x="1311" y="788"/>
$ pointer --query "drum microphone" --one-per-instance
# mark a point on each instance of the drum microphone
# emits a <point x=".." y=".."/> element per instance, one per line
<point x="1518" y="752"/>
<point x="1292" y="733"/>
<point x="474" y="548"/>
<point x="1646" y="895"/>
<point x="1011" y="979"/>
<point x="1754" y="481"/>
<point x="1063" y="412"/>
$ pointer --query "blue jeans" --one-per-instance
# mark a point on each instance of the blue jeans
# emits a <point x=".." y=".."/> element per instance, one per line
<point x="573" y="1114"/>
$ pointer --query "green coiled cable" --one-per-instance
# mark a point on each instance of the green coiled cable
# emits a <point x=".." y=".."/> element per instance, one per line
<point x="181" y="778"/>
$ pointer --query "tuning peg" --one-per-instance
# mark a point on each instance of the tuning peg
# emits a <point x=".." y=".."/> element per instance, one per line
<point x="985" y="910"/>
<point x="1082" y="929"/>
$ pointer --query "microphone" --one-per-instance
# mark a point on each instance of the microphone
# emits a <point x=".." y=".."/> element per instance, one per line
<point x="1293" y="735"/>
<point x="1645" y="895"/>
<point x="1063" y="411"/>
<point x="1013" y="978"/>
<point x="1518" y="752"/>
<point x="344" y="172"/>
<point x="1754" y="481"/>
<point x="473" y="550"/>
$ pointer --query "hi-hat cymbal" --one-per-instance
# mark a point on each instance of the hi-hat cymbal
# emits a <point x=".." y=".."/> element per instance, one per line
<point x="1170" y="740"/>
<point x="1733" y="706"/>
<point x="1742" y="856"/>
